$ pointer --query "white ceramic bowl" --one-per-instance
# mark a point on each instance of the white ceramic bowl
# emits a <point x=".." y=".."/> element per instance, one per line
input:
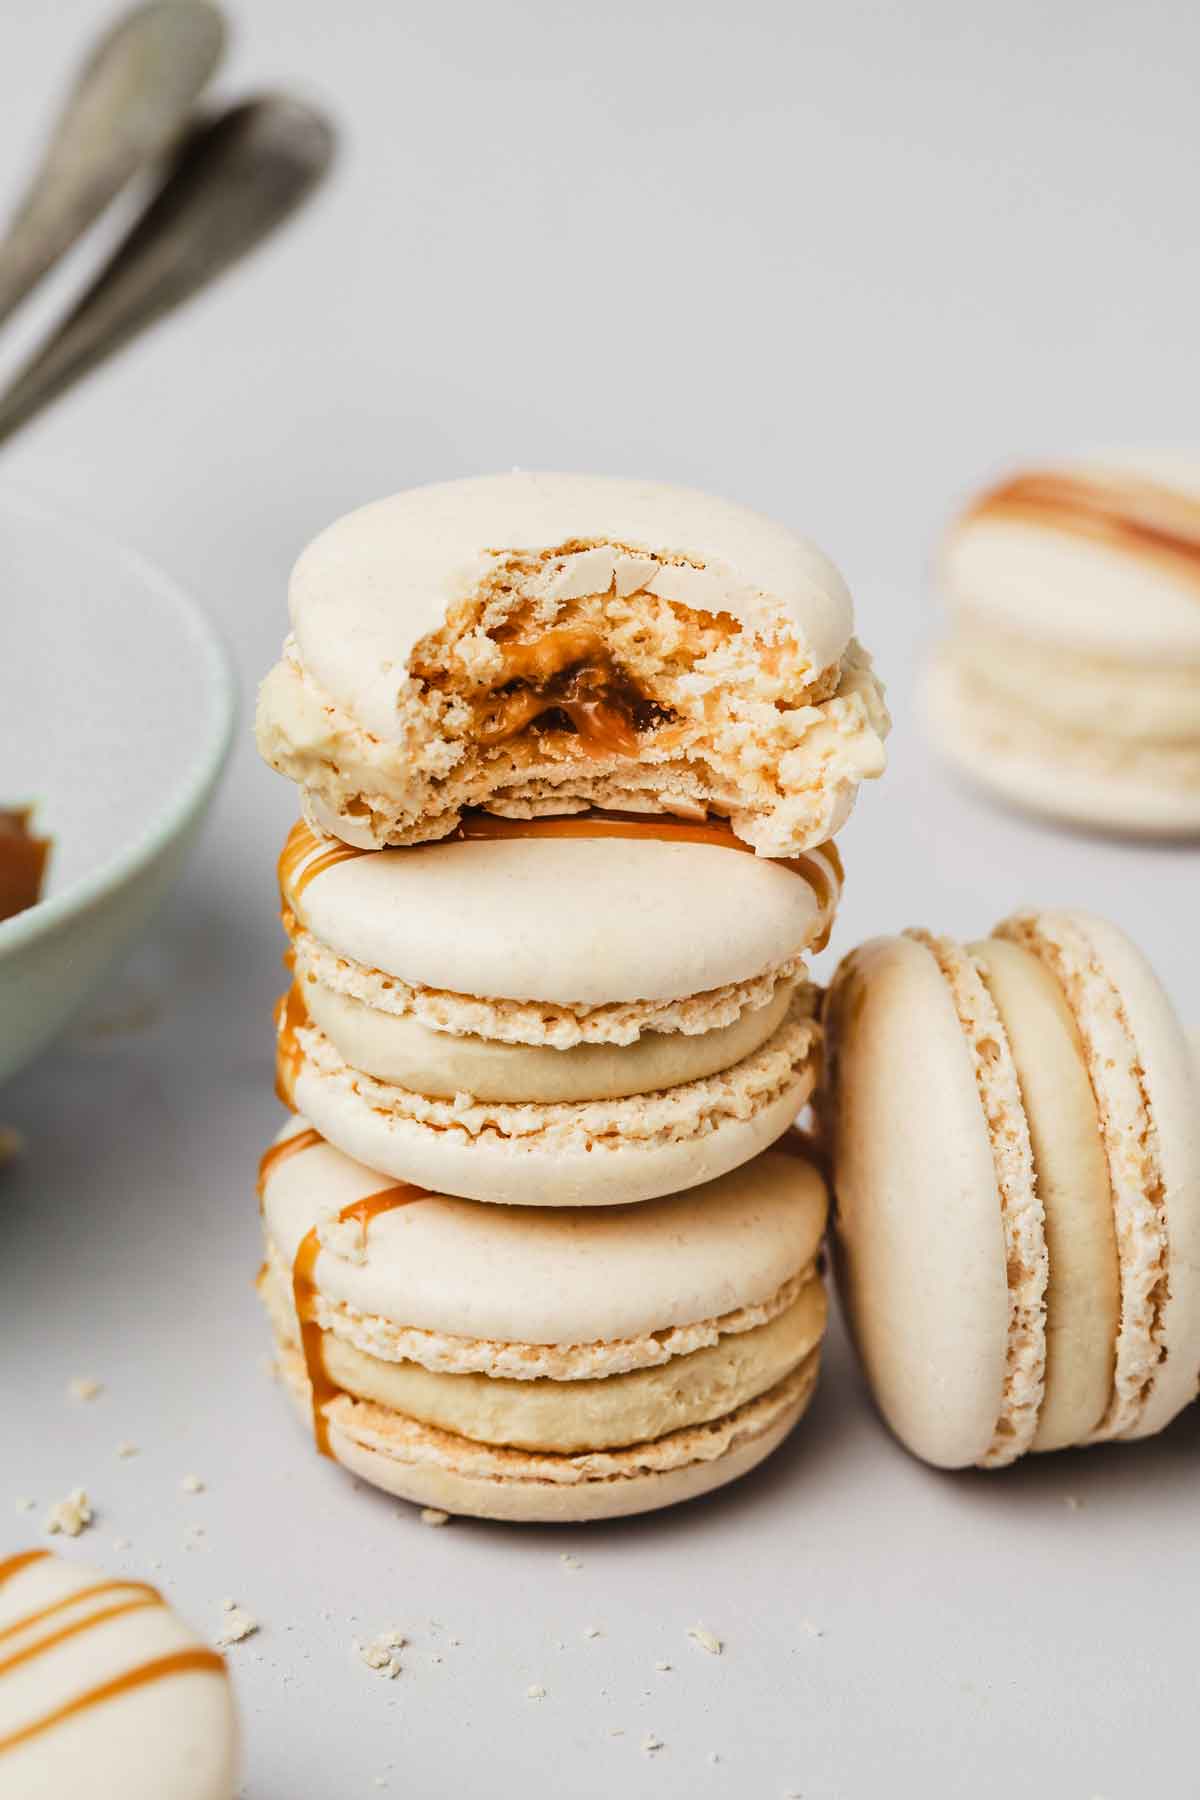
<point x="116" y="710"/>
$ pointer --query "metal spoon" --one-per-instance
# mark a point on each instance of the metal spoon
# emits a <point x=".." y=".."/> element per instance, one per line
<point x="130" y="101"/>
<point x="235" y="179"/>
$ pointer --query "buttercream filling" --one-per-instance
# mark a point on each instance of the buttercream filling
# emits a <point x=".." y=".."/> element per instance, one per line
<point x="403" y="1051"/>
<point x="409" y="1440"/>
<point x="587" y="1414"/>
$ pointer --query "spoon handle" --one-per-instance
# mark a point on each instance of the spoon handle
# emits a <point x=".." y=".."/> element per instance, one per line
<point x="235" y="179"/>
<point x="130" y="100"/>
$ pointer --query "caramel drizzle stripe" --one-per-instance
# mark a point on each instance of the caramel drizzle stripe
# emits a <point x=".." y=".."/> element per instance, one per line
<point x="1133" y="515"/>
<point x="291" y="1015"/>
<point x="151" y="1598"/>
<point x="281" y="1153"/>
<point x="75" y="1599"/>
<point x="304" y="1295"/>
<point x="298" y="866"/>
<point x="13" y="1565"/>
<point x="182" y="1662"/>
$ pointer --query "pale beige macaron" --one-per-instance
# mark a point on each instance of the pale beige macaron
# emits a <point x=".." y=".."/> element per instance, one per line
<point x="540" y="643"/>
<point x="581" y="1011"/>
<point x="1013" y="1127"/>
<point x="543" y="1364"/>
<point x="104" y="1691"/>
<point x="1070" y="680"/>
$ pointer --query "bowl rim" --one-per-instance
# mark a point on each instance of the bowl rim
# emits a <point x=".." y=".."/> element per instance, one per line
<point x="215" y="669"/>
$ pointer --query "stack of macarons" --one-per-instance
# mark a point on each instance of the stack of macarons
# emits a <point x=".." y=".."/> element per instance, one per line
<point x="571" y="752"/>
<point x="1070" y="680"/>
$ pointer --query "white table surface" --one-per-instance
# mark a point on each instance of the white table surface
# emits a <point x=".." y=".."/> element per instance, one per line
<point x="842" y="263"/>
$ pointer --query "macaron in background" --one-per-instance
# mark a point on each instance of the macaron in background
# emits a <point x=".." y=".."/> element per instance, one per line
<point x="1014" y="1136"/>
<point x="1069" y="683"/>
<point x="541" y="643"/>
<point x="104" y="1691"/>
<point x="543" y="1363"/>
<point x="535" y="1014"/>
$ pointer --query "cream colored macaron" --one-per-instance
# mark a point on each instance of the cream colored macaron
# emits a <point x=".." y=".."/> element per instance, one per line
<point x="103" y="1691"/>
<point x="543" y="1364"/>
<point x="579" y="1011"/>
<point x="1070" y="682"/>
<point x="1013" y="1127"/>
<point x="542" y="643"/>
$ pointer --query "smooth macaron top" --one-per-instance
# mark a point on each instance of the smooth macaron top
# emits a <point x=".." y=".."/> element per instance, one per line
<point x="104" y="1691"/>
<point x="1102" y="555"/>
<point x="375" y="582"/>
<point x="575" y="921"/>
<point x="535" y="1275"/>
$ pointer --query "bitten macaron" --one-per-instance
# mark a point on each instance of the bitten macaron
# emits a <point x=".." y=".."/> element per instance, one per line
<point x="1070" y="680"/>
<point x="541" y="643"/>
<point x="1013" y="1127"/>
<point x="543" y="1364"/>
<point x="104" y="1691"/>
<point x="571" y="1011"/>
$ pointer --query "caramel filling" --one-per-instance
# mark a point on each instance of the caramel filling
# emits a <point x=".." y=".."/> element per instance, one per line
<point x="1137" y="516"/>
<point x="23" y="859"/>
<point x="567" y="680"/>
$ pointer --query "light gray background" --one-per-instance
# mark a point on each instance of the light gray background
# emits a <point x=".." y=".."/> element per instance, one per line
<point x="843" y="263"/>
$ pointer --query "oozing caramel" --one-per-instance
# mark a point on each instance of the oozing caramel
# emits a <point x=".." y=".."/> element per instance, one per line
<point x="290" y="1015"/>
<point x="1126" y="511"/>
<point x="304" y="1294"/>
<point x="568" y="671"/>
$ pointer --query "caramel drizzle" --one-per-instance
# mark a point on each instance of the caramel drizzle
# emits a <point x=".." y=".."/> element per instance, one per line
<point x="304" y="1294"/>
<point x="280" y="1153"/>
<point x="1131" y="514"/>
<point x="77" y="1626"/>
<point x="182" y="1662"/>
<point x="298" y="866"/>
<point x="12" y="1565"/>
<point x="291" y="1015"/>
<point x="70" y="1600"/>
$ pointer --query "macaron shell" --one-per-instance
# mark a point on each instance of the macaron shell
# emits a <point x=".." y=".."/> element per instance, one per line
<point x="175" y="1736"/>
<point x="1083" y="1289"/>
<point x="552" y="1275"/>
<point x="519" y="1172"/>
<point x="378" y="580"/>
<point x="1166" y="1074"/>
<point x="583" y="921"/>
<point x="530" y="1501"/>
<point x="1000" y="759"/>
<point x="399" y="1049"/>
<point x="920" y="1245"/>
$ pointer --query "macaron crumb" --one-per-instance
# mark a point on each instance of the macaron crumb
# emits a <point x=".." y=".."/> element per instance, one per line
<point x="125" y="1450"/>
<point x="535" y="1691"/>
<point x="812" y="1628"/>
<point x="433" y="1515"/>
<point x="651" y="1743"/>
<point x="382" y="1652"/>
<point x="25" y="1504"/>
<point x="713" y="1757"/>
<point x="236" y="1625"/>
<point x="70" y="1516"/>
<point x="707" y="1640"/>
<point x="663" y="1668"/>
<point x="122" y="1543"/>
<point x="592" y="1631"/>
<point x="192" y="1484"/>
<point x="84" y="1388"/>
<point x="569" y="1562"/>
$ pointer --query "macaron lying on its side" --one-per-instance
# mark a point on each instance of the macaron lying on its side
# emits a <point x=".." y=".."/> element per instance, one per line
<point x="543" y="1364"/>
<point x="549" y="1020"/>
<point x="541" y="643"/>
<point x="103" y="1691"/>
<point x="1013" y="1127"/>
<point x="1070" y="680"/>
